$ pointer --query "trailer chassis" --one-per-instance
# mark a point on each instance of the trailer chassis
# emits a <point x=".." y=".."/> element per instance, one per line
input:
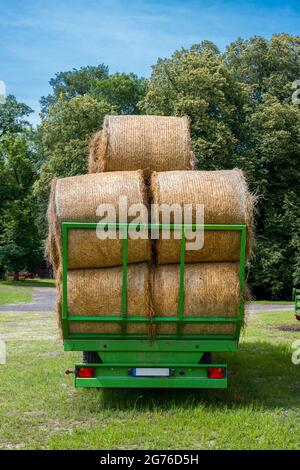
<point x="165" y="361"/>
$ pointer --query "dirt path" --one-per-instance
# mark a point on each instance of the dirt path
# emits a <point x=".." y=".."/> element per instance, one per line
<point x="263" y="308"/>
<point x="44" y="299"/>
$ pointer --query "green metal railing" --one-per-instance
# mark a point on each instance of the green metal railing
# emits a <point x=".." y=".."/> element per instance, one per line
<point x="296" y="297"/>
<point x="124" y="319"/>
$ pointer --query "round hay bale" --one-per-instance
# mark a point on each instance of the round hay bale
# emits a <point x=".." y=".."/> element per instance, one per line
<point x="218" y="246"/>
<point x="75" y="199"/>
<point x="150" y="143"/>
<point x="210" y="290"/>
<point x="98" y="292"/>
<point x="86" y="250"/>
<point x="226" y="200"/>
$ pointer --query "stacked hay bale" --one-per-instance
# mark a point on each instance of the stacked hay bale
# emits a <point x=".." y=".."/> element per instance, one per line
<point x="94" y="265"/>
<point x="118" y="154"/>
<point x="149" y="143"/>
<point x="212" y="286"/>
<point x="123" y="155"/>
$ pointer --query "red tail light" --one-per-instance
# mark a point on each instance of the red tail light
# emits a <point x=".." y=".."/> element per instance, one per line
<point x="86" y="372"/>
<point x="216" y="373"/>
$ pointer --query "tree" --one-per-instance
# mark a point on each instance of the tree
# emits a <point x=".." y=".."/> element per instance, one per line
<point x="195" y="82"/>
<point x="20" y="244"/>
<point x="20" y="241"/>
<point x="65" y="133"/>
<point x="73" y="83"/>
<point x="72" y="113"/>
<point x="272" y="165"/>
<point x="121" y="91"/>
<point x="12" y="116"/>
<point x="265" y="66"/>
<point x="241" y="115"/>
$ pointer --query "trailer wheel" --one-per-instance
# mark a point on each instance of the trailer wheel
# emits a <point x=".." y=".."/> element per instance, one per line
<point x="91" y="357"/>
<point x="206" y="358"/>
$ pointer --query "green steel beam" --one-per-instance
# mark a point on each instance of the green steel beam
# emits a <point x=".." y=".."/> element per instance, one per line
<point x="183" y="375"/>
<point x="153" y="382"/>
<point x="242" y="278"/>
<point x="65" y="280"/>
<point x="154" y="319"/>
<point x="159" y="345"/>
<point x="181" y="286"/>
<point x="296" y="296"/>
<point x="142" y="337"/>
<point x="124" y="284"/>
<point x="120" y="225"/>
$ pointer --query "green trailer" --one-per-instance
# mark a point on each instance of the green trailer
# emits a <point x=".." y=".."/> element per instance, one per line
<point x="296" y="298"/>
<point x="165" y="361"/>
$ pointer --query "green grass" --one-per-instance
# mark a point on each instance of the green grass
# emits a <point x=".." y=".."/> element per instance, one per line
<point x="29" y="283"/>
<point x="41" y="409"/>
<point x="7" y="297"/>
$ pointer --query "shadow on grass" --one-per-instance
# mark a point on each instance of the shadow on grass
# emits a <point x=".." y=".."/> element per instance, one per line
<point x="260" y="375"/>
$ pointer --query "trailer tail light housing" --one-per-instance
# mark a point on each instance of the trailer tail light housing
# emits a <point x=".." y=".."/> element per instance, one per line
<point x="86" y="372"/>
<point x="216" y="373"/>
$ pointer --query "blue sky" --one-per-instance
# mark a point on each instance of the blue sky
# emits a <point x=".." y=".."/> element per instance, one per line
<point x="41" y="37"/>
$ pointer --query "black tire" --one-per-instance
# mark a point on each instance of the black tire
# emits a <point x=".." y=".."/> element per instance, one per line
<point x="90" y="357"/>
<point x="206" y="358"/>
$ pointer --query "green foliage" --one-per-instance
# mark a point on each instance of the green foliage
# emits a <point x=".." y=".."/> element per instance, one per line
<point x="270" y="153"/>
<point x="20" y="244"/>
<point x="80" y="100"/>
<point x="197" y="83"/>
<point x="121" y="91"/>
<point x="265" y="66"/>
<point x="73" y="83"/>
<point x="65" y="133"/>
<point x="12" y="116"/>
<point x="241" y="115"/>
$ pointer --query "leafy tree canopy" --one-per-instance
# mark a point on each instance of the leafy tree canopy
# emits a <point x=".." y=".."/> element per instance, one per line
<point x="265" y="66"/>
<point x="196" y="82"/>
<point x="13" y="116"/>
<point x="20" y="241"/>
<point x="73" y="83"/>
<point x="241" y="115"/>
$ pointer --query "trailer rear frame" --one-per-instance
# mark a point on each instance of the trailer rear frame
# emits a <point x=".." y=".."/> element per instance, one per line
<point x="180" y="353"/>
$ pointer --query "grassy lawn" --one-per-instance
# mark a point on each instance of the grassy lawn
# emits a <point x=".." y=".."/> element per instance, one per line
<point x="29" y="283"/>
<point x="40" y="408"/>
<point x="7" y="297"/>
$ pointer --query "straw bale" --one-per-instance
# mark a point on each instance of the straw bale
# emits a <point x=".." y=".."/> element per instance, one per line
<point x="86" y="250"/>
<point x="98" y="292"/>
<point x="75" y="199"/>
<point x="210" y="290"/>
<point x="226" y="200"/>
<point x="150" y="143"/>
